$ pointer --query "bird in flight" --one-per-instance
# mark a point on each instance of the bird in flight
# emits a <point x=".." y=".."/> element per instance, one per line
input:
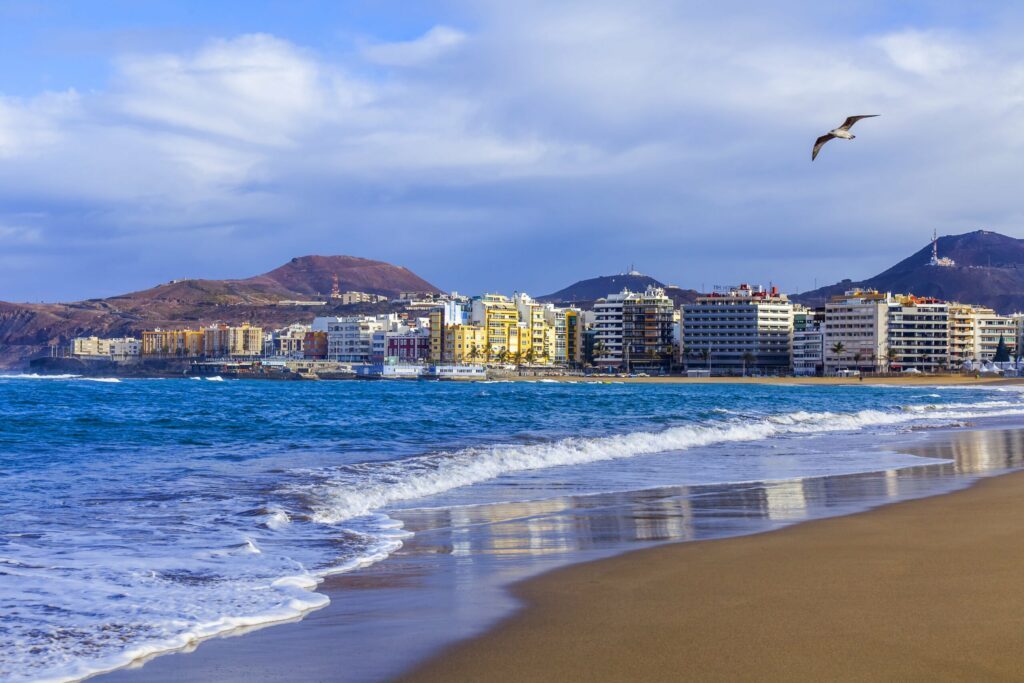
<point x="842" y="131"/>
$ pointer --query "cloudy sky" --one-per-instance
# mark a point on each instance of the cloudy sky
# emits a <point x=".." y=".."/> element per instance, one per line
<point x="498" y="145"/>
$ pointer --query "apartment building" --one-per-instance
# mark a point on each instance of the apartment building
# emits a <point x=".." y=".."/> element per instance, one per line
<point x="287" y="342"/>
<point x="350" y="339"/>
<point x="119" y="349"/>
<point x="989" y="329"/>
<point x="607" y="326"/>
<point x="499" y="316"/>
<point x="918" y="334"/>
<point x="739" y="329"/>
<point x="856" y="330"/>
<point x="647" y="331"/>
<point x="808" y="349"/>
<point x="180" y="343"/>
<point x="222" y="340"/>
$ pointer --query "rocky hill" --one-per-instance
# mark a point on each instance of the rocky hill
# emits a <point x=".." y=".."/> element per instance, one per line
<point x="26" y="330"/>
<point x="988" y="269"/>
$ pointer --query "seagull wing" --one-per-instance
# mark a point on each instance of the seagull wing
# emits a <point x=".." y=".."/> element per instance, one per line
<point x="850" y="120"/>
<point x="819" y="143"/>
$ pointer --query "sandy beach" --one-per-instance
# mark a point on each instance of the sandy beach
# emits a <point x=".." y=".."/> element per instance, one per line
<point x="890" y="380"/>
<point x="922" y="590"/>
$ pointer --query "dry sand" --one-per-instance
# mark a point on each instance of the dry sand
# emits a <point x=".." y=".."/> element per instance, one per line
<point x="930" y="589"/>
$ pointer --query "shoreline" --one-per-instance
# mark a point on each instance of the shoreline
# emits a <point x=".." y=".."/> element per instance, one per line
<point x="310" y="642"/>
<point x="918" y="589"/>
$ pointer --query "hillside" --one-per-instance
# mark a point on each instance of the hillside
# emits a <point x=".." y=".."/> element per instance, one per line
<point x="26" y="330"/>
<point x="989" y="270"/>
<point x="312" y="275"/>
<point x="585" y="292"/>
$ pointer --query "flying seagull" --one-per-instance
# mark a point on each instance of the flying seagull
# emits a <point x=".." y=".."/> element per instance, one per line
<point x="842" y="131"/>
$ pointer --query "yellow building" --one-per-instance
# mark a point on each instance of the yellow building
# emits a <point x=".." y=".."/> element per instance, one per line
<point x="498" y="315"/>
<point x="226" y="340"/>
<point x="537" y="334"/>
<point x="189" y="343"/>
<point x="464" y="344"/>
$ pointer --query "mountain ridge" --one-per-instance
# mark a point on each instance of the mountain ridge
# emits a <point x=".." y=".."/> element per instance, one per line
<point x="988" y="270"/>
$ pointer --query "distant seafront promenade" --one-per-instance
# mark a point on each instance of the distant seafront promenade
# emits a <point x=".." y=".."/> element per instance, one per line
<point x="405" y="512"/>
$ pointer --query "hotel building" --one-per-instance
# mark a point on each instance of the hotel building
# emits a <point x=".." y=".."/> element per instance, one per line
<point x="739" y="328"/>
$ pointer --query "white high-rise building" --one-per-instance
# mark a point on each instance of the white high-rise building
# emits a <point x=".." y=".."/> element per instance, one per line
<point x="918" y="334"/>
<point x="741" y="328"/>
<point x="350" y="339"/>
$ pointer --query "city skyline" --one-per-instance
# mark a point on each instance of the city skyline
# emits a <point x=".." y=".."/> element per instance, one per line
<point x="143" y="144"/>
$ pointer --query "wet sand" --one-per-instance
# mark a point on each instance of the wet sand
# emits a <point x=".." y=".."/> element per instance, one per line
<point x="920" y="590"/>
<point x="894" y="380"/>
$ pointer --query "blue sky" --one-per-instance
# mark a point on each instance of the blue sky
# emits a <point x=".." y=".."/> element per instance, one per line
<point x="494" y="145"/>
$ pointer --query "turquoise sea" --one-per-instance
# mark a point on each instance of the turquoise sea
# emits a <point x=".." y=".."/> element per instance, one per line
<point x="139" y="516"/>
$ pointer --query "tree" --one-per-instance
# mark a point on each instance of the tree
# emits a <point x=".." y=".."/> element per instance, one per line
<point x="1002" y="353"/>
<point x="748" y="359"/>
<point x="502" y="355"/>
<point x="838" y="348"/>
<point x="474" y="352"/>
<point x="890" y="357"/>
<point x="488" y="351"/>
<point x="598" y="350"/>
<point x="530" y="356"/>
<point x="517" y="358"/>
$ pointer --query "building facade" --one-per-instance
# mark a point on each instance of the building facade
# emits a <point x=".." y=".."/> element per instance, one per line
<point x="739" y="329"/>
<point x="918" y="335"/>
<point x="856" y="331"/>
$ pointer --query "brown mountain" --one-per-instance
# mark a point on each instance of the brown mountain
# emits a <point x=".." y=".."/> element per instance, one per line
<point x="26" y="330"/>
<point x="312" y="275"/>
<point x="988" y="270"/>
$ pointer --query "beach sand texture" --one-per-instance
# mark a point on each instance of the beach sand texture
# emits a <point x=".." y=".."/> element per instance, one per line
<point x="930" y="589"/>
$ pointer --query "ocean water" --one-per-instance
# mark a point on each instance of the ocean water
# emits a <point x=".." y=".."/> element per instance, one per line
<point x="138" y="516"/>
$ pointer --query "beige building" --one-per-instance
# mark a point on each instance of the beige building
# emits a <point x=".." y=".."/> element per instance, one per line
<point x="184" y="343"/>
<point x="229" y="340"/>
<point x="856" y="331"/>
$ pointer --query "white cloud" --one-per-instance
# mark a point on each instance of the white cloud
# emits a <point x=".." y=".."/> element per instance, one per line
<point x="596" y="127"/>
<point x="434" y="43"/>
<point x="925" y="53"/>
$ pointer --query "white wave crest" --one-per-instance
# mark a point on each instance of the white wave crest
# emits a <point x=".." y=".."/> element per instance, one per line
<point x="356" y="490"/>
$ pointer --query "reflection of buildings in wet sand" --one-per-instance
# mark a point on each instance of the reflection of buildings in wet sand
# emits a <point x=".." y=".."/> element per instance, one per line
<point x="786" y="500"/>
<point x="978" y="450"/>
<point x="578" y="523"/>
<point x="556" y="525"/>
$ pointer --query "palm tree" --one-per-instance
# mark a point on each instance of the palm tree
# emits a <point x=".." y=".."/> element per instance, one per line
<point x="748" y="358"/>
<point x="705" y="355"/>
<point x="891" y="356"/>
<point x="488" y="351"/>
<point x="517" y="358"/>
<point x="598" y="350"/>
<point x="474" y="352"/>
<point x="838" y="348"/>
<point x="502" y="355"/>
<point x="530" y="356"/>
<point x="856" y="359"/>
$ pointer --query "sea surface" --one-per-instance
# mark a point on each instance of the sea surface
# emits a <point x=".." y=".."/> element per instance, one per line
<point x="140" y="516"/>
